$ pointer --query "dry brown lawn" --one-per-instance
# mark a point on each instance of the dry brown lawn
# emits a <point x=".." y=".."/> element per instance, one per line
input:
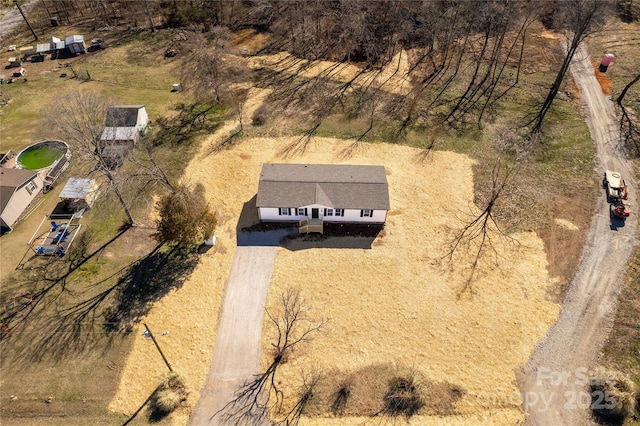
<point x="398" y="303"/>
<point x="401" y="304"/>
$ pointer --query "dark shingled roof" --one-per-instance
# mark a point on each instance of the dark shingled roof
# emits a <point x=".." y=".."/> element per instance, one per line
<point x="332" y="185"/>
<point x="122" y="115"/>
<point x="10" y="179"/>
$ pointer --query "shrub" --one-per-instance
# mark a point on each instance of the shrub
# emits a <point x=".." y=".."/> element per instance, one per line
<point x="169" y="395"/>
<point x="613" y="395"/>
<point x="260" y="115"/>
<point x="185" y="217"/>
<point x="404" y="396"/>
<point x="341" y="396"/>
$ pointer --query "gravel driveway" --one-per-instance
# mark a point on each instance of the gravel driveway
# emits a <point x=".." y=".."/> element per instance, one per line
<point x="553" y="383"/>
<point x="236" y="355"/>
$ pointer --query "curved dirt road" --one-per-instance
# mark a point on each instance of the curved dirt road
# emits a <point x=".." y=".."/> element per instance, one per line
<point x="553" y="383"/>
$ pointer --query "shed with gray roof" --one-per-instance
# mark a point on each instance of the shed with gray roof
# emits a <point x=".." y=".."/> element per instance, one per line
<point x="124" y="124"/>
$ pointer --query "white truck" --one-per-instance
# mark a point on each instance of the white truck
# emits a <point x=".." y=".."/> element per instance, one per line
<point x="616" y="186"/>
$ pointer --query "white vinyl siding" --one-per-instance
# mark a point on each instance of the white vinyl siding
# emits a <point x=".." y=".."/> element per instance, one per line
<point x="345" y="215"/>
<point x="18" y="203"/>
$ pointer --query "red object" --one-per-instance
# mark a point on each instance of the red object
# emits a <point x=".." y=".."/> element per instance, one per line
<point x="621" y="210"/>
<point x="606" y="60"/>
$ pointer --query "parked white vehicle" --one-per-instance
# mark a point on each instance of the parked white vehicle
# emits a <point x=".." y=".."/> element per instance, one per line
<point x="614" y="184"/>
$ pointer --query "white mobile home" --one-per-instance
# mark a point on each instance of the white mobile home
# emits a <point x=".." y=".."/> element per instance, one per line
<point x="323" y="193"/>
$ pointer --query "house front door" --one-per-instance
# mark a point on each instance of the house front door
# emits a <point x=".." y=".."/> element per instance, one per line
<point x="314" y="213"/>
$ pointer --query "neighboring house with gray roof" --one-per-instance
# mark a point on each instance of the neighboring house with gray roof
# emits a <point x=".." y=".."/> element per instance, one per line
<point x="323" y="193"/>
<point x="18" y="188"/>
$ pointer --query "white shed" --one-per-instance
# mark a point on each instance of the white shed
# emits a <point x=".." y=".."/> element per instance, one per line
<point x="124" y="125"/>
<point x="43" y="48"/>
<point x="75" y="43"/>
<point x="56" y="43"/>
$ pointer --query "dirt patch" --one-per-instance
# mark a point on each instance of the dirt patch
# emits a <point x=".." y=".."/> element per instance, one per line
<point x="567" y="224"/>
<point x="361" y="393"/>
<point x="563" y="240"/>
<point x="603" y="79"/>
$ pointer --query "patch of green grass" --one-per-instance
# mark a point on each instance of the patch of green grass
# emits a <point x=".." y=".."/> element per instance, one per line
<point x="114" y="74"/>
<point x="89" y="269"/>
<point x="74" y="340"/>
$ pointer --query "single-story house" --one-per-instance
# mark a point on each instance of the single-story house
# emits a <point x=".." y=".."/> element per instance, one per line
<point x="323" y="193"/>
<point x="18" y="187"/>
<point x="75" y="44"/>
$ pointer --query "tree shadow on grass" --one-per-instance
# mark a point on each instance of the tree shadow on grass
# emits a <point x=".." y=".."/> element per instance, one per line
<point x="94" y="320"/>
<point x="191" y="121"/>
<point x="43" y="324"/>
<point x="147" y="281"/>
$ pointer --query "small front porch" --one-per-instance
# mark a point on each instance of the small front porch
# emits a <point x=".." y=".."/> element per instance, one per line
<point x="306" y="226"/>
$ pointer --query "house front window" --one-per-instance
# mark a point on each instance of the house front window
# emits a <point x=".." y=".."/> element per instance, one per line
<point x="301" y="211"/>
<point x="366" y="213"/>
<point x="339" y="212"/>
<point x="284" y="211"/>
<point x="328" y="212"/>
<point x="31" y="187"/>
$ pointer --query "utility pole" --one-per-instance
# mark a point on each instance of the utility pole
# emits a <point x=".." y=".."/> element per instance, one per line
<point x="17" y="3"/>
<point x="157" y="346"/>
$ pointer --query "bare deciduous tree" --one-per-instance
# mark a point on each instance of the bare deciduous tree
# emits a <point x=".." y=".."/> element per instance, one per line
<point x="293" y="325"/>
<point x="479" y="230"/>
<point x="306" y="392"/>
<point x="628" y="126"/>
<point x="79" y="120"/>
<point x="213" y="71"/>
<point x="579" y="18"/>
